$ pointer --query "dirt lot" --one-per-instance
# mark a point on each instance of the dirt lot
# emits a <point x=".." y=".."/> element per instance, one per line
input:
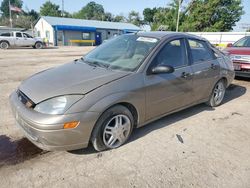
<point x="198" y="147"/>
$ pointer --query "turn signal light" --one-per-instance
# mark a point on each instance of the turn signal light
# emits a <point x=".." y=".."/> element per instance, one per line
<point x="71" y="125"/>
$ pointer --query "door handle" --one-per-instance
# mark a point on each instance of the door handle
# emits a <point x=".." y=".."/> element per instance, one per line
<point x="185" y="75"/>
<point x="213" y="66"/>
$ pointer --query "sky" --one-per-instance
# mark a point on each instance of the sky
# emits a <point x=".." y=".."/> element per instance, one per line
<point x="123" y="6"/>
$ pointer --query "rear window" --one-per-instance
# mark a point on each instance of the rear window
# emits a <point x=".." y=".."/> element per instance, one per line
<point x="200" y="51"/>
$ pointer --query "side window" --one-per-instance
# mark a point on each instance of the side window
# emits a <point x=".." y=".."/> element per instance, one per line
<point x="26" y="35"/>
<point x="200" y="51"/>
<point x="19" y="35"/>
<point x="173" y="54"/>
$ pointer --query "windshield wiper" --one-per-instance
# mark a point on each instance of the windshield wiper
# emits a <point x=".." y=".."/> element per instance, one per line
<point x="103" y="65"/>
<point x="87" y="62"/>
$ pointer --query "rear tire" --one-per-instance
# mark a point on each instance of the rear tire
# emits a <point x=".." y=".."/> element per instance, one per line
<point x="113" y="128"/>
<point x="4" y="45"/>
<point x="38" y="45"/>
<point x="217" y="94"/>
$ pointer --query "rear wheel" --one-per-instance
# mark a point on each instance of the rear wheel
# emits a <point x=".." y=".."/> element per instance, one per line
<point x="218" y="94"/>
<point x="113" y="128"/>
<point x="4" y="45"/>
<point x="38" y="45"/>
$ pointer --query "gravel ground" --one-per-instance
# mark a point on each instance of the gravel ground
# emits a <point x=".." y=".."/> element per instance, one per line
<point x="197" y="147"/>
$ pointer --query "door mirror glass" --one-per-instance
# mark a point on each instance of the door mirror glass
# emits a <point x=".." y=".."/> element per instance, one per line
<point x="160" y="69"/>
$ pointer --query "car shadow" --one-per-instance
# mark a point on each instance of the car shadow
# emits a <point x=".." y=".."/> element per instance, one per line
<point x="242" y="78"/>
<point x="234" y="91"/>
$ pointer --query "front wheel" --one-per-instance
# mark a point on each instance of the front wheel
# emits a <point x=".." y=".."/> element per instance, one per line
<point x="218" y="94"/>
<point x="38" y="45"/>
<point x="113" y="128"/>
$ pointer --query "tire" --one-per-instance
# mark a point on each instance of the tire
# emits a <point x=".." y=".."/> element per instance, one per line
<point x="217" y="94"/>
<point x="38" y="45"/>
<point x="4" y="45"/>
<point x="112" y="129"/>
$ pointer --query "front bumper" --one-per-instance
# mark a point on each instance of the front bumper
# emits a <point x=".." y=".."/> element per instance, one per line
<point x="46" y="131"/>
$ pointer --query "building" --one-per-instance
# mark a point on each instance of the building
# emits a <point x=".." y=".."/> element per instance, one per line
<point x="68" y="31"/>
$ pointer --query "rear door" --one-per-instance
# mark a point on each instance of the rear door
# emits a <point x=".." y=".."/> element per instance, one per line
<point x="170" y="91"/>
<point x="205" y="66"/>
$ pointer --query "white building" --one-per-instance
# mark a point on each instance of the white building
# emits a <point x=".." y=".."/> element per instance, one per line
<point x="67" y="31"/>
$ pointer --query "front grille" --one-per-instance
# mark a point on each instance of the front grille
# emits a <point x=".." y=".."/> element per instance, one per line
<point x="25" y="100"/>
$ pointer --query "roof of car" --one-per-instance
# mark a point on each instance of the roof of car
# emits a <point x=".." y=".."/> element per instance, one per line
<point x="163" y="34"/>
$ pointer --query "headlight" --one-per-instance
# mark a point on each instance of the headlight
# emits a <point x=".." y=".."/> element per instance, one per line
<point x="57" y="105"/>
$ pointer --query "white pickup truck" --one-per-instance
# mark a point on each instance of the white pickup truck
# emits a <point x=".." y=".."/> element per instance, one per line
<point x="19" y="39"/>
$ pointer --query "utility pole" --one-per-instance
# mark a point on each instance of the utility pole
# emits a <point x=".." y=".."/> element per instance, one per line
<point x="10" y="15"/>
<point x="62" y="8"/>
<point x="178" y="15"/>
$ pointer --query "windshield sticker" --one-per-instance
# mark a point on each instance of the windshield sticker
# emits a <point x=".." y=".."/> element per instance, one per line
<point x="146" y="39"/>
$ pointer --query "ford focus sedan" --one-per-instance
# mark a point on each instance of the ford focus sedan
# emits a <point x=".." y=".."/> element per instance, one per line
<point x="123" y="84"/>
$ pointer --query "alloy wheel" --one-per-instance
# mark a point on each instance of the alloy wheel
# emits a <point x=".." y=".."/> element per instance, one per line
<point x="219" y="92"/>
<point x="116" y="131"/>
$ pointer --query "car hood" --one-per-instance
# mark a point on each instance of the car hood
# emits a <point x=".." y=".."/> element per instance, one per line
<point x="238" y="50"/>
<point x="72" y="78"/>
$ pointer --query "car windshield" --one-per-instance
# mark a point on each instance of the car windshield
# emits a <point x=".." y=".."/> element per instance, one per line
<point x="125" y="52"/>
<point x="244" y="42"/>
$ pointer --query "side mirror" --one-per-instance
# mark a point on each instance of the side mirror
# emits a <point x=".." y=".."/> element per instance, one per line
<point x="160" y="69"/>
<point x="229" y="45"/>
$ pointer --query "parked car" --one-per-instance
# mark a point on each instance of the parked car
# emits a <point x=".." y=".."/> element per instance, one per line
<point x="123" y="84"/>
<point x="240" y="55"/>
<point x="19" y="39"/>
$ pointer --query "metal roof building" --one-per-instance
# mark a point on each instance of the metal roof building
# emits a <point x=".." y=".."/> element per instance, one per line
<point x="69" y="31"/>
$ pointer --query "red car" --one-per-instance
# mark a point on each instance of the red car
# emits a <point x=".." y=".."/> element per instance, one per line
<point x="240" y="54"/>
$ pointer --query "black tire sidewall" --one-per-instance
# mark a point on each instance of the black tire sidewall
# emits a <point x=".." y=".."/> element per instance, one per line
<point x="97" y="134"/>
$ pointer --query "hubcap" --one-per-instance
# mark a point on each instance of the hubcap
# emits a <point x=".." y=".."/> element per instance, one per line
<point x="116" y="131"/>
<point x="219" y="92"/>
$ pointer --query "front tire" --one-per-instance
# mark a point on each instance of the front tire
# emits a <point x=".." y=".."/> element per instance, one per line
<point x="38" y="45"/>
<point x="4" y="45"/>
<point x="113" y="128"/>
<point x="218" y="94"/>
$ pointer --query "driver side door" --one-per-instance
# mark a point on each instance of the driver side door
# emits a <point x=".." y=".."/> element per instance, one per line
<point x="168" y="92"/>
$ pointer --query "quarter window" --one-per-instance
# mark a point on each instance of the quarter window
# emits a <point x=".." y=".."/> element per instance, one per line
<point x="200" y="51"/>
<point x="173" y="54"/>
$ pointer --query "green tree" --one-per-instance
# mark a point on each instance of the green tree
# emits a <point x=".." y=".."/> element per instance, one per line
<point x="120" y="18"/>
<point x="149" y="14"/>
<point x="198" y="15"/>
<point x="5" y="6"/>
<point x="92" y="11"/>
<point x="212" y="15"/>
<point x="134" y="18"/>
<point x="50" y="9"/>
